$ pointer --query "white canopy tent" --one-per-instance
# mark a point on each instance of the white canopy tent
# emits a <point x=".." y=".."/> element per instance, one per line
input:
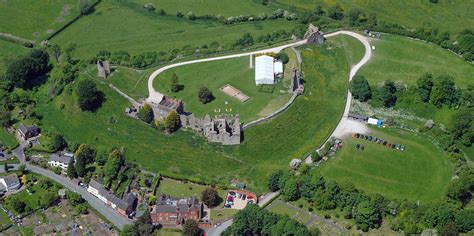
<point x="264" y="70"/>
<point x="278" y="68"/>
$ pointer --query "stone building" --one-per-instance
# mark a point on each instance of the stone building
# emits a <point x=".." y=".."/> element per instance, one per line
<point x="103" y="69"/>
<point x="226" y="129"/>
<point x="173" y="212"/>
<point x="314" y="36"/>
<point x="166" y="105"/>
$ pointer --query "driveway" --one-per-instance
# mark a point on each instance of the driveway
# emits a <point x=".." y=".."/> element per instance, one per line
<point x="110" y="214"/>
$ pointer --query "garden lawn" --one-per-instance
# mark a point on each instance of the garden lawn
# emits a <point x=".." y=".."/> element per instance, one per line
<point x="220" y="214"/>
<point x="7" y="139"/>
<point x="179" y="189"/>
<point x="400" y="58"/>
<point x="421" y="172"/>
<point x="209" y="7"/>
<point x="4" y="220"/>
<point x="215" y="75"/>
<point x="452" y="16"/>
<point x="31" y="19"/>
<point x="142" y="31"/>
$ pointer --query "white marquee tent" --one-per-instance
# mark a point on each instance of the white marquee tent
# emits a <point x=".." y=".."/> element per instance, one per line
<point x="264" y="70"/>
<point x="278" y="68"/>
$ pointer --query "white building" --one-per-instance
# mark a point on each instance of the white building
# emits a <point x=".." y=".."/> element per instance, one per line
<point x="61" y="161"/>
<point x="9" y="183"/>
<point x="278" y="68"/>
<point x="264" y="70"/>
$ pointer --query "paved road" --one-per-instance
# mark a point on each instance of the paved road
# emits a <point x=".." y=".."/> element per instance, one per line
<point x="113" y="216"/>
<point x="19" y="151"/>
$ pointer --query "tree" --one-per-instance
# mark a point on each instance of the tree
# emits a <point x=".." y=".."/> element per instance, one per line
<point x="85" y="7"/>
<point x="75" y="198"/>
<point x="424" y="86"/>
<point x="274" y="181"/>
<point x="172" y="121"/>
<point x="112" y="166"/>
<point x="318" y="10"/>
<point x="336" y="12"/>
<point x="366" y="215"/>
<point x="175" y="86"/>
<point x="55" y="51"/>
<point x="71" y="170"/>
<point x="444" y="92"/>
<point x="47" y="199"/>
<point x="17" y="205"/>
<point x="460" y="125"/>
<point x="205" y="95"/>
<point x="360" y="88"/>
<point x="161" y="12"/>
<point x="129" y="230"/>
<point x="22" y="168"/>
<point x="311" y="183"/>
<point x="387" y="93"/>
<point x="23" y="72"/>
<point x="438" y="214"/>
<point x="83" y="155"/>
<point x="465" y="220"/>
<point x="245" y="41"/>
<point x="291" y="191"/>
<point x="210" y="197"/>
<point x="59" y="143"/>
<point x="191" y="228"/>
<point x="89" y="97"/>
<point x="24" y="179"/>
<point x="283" y="57"/>
<point x="146" y="113"/>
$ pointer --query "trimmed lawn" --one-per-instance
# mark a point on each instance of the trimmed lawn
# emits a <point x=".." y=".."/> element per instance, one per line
<point x="142" y="31"/>
<point x="129" y="81"/>
<point x="204" y="7"/>
<point x="32" y="19"/>
<point x="358" y="49"/>
<point x="180" y="189"/>
<point x="214" y="75"/>
<point x="421" y="172"/>
<point x="219" y="214"/>
<point x="452" y="16"/>
<point x="7" y="139"/>
<point x="400" y="58"/>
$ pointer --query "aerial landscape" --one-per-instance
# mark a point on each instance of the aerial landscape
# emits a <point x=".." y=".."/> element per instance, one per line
<point x="236" y="117"/>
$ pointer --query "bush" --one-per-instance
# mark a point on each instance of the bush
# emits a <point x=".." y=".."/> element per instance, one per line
<point x="89" y="97"/>
<point x="149" y="7"/>
<point x="283" y="57"/>
<point x="360" y="88"/>
<point x="205" y="95"/>
<point x="146" y="113"/>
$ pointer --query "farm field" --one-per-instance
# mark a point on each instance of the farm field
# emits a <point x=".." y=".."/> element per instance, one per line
<point x="214" y="7"/>
<point x="265" y="148"/>
<point x="400" y="58"/>
<point x="421" y="172"/>
<point x="452" y="16"/>
<point x="145" y="31"/>
<point x="214" y="75"/>
<point x="31" y="19"/>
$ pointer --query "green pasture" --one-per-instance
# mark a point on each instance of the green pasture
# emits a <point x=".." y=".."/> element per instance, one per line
<point x="213" y="7"/>
<point x="400" y="58"/>
<point x="31" y="19"/>
<point x="118" y="26"/>
<point x="216" y="74"/>
<point x="452" y="16"/>
<point x="358" y="50"/>
<point x="9" y="50"/>
<point x="129" y="81"/>
<point x="421" y="172"/>
<point x="220" y="214"/>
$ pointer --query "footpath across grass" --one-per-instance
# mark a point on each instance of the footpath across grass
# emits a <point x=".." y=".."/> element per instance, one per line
<point x="421" y="172"/>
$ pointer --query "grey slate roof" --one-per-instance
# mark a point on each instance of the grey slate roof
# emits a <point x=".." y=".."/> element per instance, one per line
<point x="10" y="180"/>
<point x="24" y="129"/>
<point x="60" y="158"/>
<point x="173" y="205"/>
<point x="108" y="195"/>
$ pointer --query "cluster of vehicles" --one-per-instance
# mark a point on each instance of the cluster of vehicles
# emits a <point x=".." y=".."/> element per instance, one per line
<point x="377" y="140"/>
<point x="233" y="196"/>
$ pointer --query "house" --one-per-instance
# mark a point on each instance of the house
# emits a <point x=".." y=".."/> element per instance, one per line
<point x="121" y="206"/>
<point x="166" y="105"/>
<point x="60" y="160"/>
<point x="264" y="73"/>
<point x="103" y="69"/>
<point x="173" y="212"/>
<point x="27" y="132"/>
<point x="9" y="183"/>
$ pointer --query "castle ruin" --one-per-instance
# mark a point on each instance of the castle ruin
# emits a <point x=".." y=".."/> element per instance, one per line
<point x="225" y="129"/>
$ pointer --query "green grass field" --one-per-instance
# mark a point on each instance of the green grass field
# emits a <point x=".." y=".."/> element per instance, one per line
<point x="355" y="55"/>
<point x="106" y="29"/>
<point x="31" y="19"/>
<point x="129" y="81"/>
<point x="180" y="189"/>
<point x="214" y="7"/>
<point x="7" y="139"/>
<point x="421" y="172"/>
<point x="214" y="75"/>
<point x="283" y="209"/>
<point x="219" y="214"/>
<point x="400" y="58"/>
<point x="452" y="16"/>
<point x="9" y="50"/>
<point x="265" y="148"/>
